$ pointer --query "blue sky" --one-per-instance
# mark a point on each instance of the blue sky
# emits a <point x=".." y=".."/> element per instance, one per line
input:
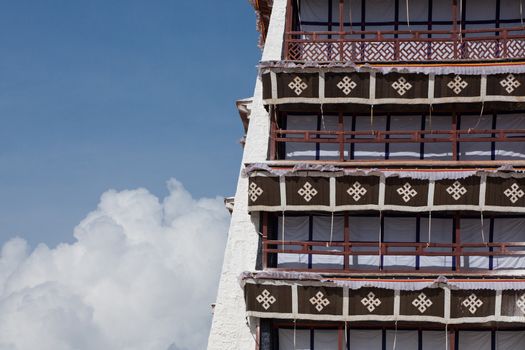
<point x="117" y="94"/>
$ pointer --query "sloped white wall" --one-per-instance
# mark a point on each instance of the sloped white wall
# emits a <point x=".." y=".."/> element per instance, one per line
<point x="229" y="328"/>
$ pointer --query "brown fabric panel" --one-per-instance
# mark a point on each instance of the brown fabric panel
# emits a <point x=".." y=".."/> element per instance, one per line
<point x="329" y="300"/>
<point x="418" y="85"/>
<point x="360" y="89"/>
<point x="385" y="296"/>
<point x="282" y="294"/>
<point x="319" y="190"/>
<point x="270" y="188"/>
<point x="267" y="86"/>
<point x="310" y="89"/>
<point x="357" y="185"/>
<point x="411" y="302"/>
<point x="471" y="89"/>
<point x="513" y="303"/>
<point x="418" y="192"/>
<point x="497" y="187"/>
<point x="498" y="84"/>
<point x="445" y="190"/>
<point x="459" y="309"/>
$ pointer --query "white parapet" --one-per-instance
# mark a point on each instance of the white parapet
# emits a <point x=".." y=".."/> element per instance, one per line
<point x="230" y="329"/>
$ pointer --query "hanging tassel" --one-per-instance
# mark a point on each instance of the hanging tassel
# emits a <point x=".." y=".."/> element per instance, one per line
<point x="395" y="338"/>
<point x="408" y="15"/>
<point x="294" y="334"/>
<point x="346" y="335"/>
<point x="480" y="117"/>
<point x="282" y="229"/>
<point x="521" y="12"/>
<point x="331" y="230"/>
<point x="350" y="14"/>
<point x="372" y="119"/>
<point x="483" y="230"/>
<point x="322" y="118"/>
<point x="380" y="241"/>
<point x="430" y="117"/>
<point x="461" y="20"/>
<point x="446" y="336"/>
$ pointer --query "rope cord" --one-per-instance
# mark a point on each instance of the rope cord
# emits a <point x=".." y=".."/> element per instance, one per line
<point x="446" y="336"/>
<point x="521" y="12"/>
<point x="372" y="119"/>
<point x="331" y="230"/>
<point x="408" y="15"/>
<point x="294" y="334"/>
<point x="483" y="229"/>
<point x="395" y="338"/>
<point x="282" y="229"/>
<point x="429" y="228"/>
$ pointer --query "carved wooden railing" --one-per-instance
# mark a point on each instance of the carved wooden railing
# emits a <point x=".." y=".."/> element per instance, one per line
<point x="406" y="45"/>
<point x="342" y="138"/>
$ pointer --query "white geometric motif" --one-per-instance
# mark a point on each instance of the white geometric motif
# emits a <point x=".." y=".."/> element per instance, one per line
<point x="510" y="83"/>
<point x="407" y="192"/>
<point x="521" y="303"/>
<point x="371" y="302"/>
<point x="401" y="86"/>
<point x="457" y="85"/>
<point x="266" y="299"/>
<point x="473" y="303"/>
<point x="356" y="191"/>
<point x="422" y="303"/>
<point x="254" y="191"/>
<point x="456" y="190"/>
<point x="307" y="192"/>
<point x="319" y="301"/>
<point x="514" y="193"/>
<point x="298" y="85"/>
<point x="346" y="85"/>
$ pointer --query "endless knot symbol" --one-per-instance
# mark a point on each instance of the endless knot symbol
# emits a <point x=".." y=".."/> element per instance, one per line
<point x="346" y="85"/>
<point x="254" y="191"/>
<point x="371" y="302"/>
<point x="307" y="192"/>
<point x="266" y="299"/>
<point x="514" y="193"/>
<point x="510" y="83"/>
<point x="473" y="303"/>
<point x="422" y="303"/>
<point x="521" y="303"/>
<point x="407" y="192"/>
<point x="456" y="190"/>
<point x="401" y="86"/>
<point x="356" y="191"/>
<point x="298" y="85"/>
<point x="457" y="84"/>
<point x="319" y="301"/>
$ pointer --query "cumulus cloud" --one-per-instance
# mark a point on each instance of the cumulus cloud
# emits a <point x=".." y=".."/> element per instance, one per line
<point x="141" y="275"/>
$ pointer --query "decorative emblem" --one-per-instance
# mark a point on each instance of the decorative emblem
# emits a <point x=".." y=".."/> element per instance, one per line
<point x="402" y="86"/>
<point x="298" y="85"/>
<point x="407" y="192"/>
<point x="456" y="190"/>
<point x="307" y="192"/>
<point x="371" y="302"/>
<point x="346" y="85"/>
<point x="510" y="83"/>
<point x="473" y="303"/>
<point x="521" y="303"/>
<point x="457" y="84"/>
<point x="319" y="301"/>
<point x="254" y="191"/>
<point x="514" y="193"/>
<point x="356" y="191"/>
<point x="266" y="299"/>
<point x="422" y="303"/>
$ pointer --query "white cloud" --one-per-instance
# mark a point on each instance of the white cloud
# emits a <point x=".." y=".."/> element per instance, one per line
<point x="141" y="275"/>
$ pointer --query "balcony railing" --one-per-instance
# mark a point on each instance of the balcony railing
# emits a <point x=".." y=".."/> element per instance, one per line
<point x="344" y="138"/>
<point x="405" y="45"/>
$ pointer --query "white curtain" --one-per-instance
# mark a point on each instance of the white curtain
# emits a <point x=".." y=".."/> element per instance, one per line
<point x="400" y="229"/>
<point x="371" y="150"/>
<point x="404" y="150"/>
<point x="510" y="150"/>
<point x="471" y="233"/>
<point x="364" y="229"/>
<point x="509" y="230"/>
<point x="405" y="340"/>
<point x="510" y="11"/>
<point x="480" y="10"/>
<point x="286" y="339"/>
<point x="434" y="340"/>
<point x="438" y="150"/>
<point x="470" y="340"/>
<point x="321" y="232"/>
<point x="366" y="339"/>
<point x="300" y="150"/>
<point x="475" y="150"/>
<point x="296" y="228"/>
<point x="441" y="232"/>
<point x="326" y="339"/>
<point x="510" y="340"/>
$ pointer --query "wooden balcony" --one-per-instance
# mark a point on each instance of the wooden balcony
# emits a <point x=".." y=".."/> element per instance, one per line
<point x="406" y="46"/>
